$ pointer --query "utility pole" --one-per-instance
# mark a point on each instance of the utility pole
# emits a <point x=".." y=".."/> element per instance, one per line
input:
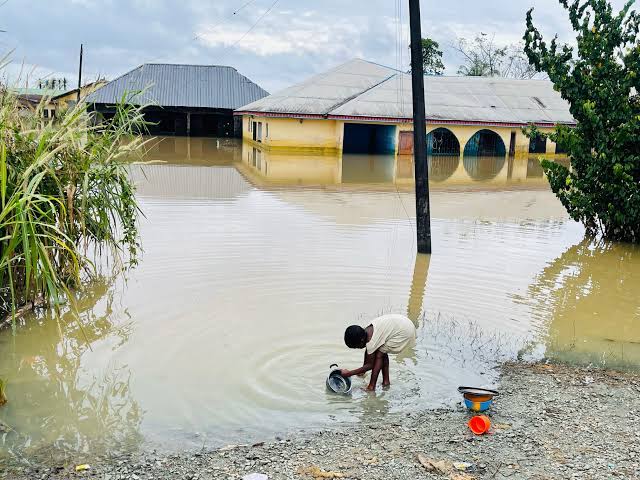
<point x="423" y="215"/>
<point x="79" y="76"/>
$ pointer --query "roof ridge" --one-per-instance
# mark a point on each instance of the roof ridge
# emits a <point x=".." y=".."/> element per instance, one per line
<point x="189" y="65"/>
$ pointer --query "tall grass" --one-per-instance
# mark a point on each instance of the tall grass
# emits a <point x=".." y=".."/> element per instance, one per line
<point x="64" y="192"/>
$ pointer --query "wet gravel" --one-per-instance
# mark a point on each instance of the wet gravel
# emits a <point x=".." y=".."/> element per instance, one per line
<point x="550" y="422"/>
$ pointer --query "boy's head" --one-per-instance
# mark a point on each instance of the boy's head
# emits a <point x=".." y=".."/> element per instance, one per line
<point x="355" y="337"/>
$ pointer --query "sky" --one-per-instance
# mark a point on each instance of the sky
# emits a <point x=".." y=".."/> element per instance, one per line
<point x="273" y="42"/>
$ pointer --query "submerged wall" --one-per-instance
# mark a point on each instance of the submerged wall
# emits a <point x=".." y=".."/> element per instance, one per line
<point x="292" y="134"/>
<point x="464" y="133"/>
<point x="327" y="135"/>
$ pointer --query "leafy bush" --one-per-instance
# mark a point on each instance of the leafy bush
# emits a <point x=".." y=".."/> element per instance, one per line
<point x="64" y="192"/>
<point x="601" y="80"/>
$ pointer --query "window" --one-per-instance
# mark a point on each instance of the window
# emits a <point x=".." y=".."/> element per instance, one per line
<point x="45" y="113"/>
<point x="259" y="136"/>
<point x="255" y="131"/>
<point x="560" y="149"/>
<point x="267" y="136"/>
<point x="538" y="144"/>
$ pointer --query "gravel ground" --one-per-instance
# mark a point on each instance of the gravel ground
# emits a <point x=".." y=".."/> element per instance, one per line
<point x="550" y="422"/>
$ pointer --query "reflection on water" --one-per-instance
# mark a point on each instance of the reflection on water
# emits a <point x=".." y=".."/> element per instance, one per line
<point x="55" y="399"/>
<point x="590" y="297"/>
<point x="266" y="279"/>
<point x="265" y="168"/>
<point x="368" y="169"/>
<point x="193" y="150"/>
<point x="484" y="168"/>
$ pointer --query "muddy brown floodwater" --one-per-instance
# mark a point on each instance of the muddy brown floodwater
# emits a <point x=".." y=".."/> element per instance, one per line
<point x="255" y="263"/>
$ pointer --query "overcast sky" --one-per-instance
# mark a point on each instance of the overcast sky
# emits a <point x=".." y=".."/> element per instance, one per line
<point x="274" y="48"/>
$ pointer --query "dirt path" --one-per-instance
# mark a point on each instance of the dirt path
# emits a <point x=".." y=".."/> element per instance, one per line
<point x="550" y="422"/>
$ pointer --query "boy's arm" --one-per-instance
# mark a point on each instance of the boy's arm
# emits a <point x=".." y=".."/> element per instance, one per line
<point x="368" y="365"/>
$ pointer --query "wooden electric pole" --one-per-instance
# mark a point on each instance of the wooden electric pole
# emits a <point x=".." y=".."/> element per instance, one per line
<point x="79" y="76"/>
<point x="423" y="215"/>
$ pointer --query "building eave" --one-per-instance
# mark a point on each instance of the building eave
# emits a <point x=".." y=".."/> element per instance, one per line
<point x="303" y="116"/>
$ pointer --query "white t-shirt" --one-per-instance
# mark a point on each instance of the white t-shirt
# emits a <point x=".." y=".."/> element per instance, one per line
<point x="391" y="334"/>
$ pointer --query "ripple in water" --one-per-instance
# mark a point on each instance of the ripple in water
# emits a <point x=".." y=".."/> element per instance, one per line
<point x="227" y="329"/>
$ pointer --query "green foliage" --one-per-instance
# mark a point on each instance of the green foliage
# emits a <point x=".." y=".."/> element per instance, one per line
<point x="65" y="196"/>
<point x="600" y="80"/>
<point x="431" y="57"/>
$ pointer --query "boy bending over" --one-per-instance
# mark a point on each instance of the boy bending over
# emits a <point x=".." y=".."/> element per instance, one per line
<point x="386" y="334"/>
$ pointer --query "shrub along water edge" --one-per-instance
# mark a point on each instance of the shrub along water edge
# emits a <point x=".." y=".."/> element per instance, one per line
<point x="64" y="192"/>
<point x="601" y="81"/>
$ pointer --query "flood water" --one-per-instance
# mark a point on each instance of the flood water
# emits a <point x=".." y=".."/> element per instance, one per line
<point x="255" y="263"/>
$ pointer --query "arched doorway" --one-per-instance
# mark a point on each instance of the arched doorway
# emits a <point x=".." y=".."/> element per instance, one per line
<point x="485" y="143"/>
<point x="442" y="141"/>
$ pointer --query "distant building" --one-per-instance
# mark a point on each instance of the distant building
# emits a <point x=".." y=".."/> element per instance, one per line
<point x="189" y="100"/>
<point x="30" y="98"/>
<point x="68" y="99"/>
<point x="363" y="107"/>
<point x="58" y="99"/>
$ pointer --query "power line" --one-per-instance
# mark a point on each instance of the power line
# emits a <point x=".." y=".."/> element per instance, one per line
<point x="251" y="28"/>
<point x="198" y="36"/>
<point x="211" y="29"/>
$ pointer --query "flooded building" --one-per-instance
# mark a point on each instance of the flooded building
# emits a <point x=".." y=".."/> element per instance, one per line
<point x="56" y="99"/>
<point x="186" y="100"/>
<point x="68" y="99"/>
<point x="363" y="107"/>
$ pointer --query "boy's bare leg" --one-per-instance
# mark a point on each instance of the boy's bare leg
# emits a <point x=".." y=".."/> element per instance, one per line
<point x="386" y="381"/>
<point x="377" y="366"/>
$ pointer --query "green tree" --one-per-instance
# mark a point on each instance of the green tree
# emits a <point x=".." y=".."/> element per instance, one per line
<point x="431" y="57"/>
<point x="600" y="81"/>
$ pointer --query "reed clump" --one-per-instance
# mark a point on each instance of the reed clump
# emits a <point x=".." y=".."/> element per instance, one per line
<point x="66" y="199"/>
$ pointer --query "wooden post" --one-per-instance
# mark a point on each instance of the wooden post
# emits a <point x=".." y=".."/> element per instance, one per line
<point x="423" y="215"/>
<point x="79" y="76"/>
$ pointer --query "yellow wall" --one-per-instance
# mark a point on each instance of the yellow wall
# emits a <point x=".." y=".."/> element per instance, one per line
<point x="315" y="136"/>
<point x="65" y="101"/>
<point x="464" y="133"/>
<point x="326" y="136"/>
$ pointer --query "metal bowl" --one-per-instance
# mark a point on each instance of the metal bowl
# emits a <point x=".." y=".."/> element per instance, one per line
<point x="477" y="399"/>
<point x="336" y="383"/>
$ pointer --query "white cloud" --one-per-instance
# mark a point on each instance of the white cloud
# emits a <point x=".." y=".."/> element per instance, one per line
<point x="304" y="34"/>
<point x="295" y="40"/>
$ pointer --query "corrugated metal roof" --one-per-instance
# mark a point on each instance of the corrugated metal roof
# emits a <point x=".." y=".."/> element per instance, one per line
<point x="460" y="99"/>
<point x="170" y="85"/>
<point x="322" y="93"/>
<point x="41" y="92"/>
